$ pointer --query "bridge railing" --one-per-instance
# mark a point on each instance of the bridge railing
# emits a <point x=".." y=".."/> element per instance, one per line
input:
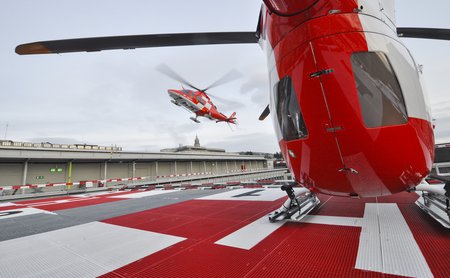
<point x="208" y="178"/>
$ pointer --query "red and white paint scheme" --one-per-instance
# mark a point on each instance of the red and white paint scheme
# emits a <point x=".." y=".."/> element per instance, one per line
<point x="361" y="124"/>
<point x="348" y="107"/>
<point x="200" y="104"/>
<point x="197" y="100"/>
<point x="221" y="234"/>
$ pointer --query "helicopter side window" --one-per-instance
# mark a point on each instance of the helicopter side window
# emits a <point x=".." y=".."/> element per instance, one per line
<point x="200" y="99"/>
<point x="289" y="116"/>
<point x="379" y="92"/>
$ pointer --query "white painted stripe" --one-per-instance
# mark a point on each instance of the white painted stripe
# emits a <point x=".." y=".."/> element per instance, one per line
<point x="7" y="204"/>
<point x="11" y="213"/>
<point x="46" y="203"/>
<point x="86" y="250"/>
<point x="250" y="235"/>
<point x="255" y="232"/>
<point x="387" y="244"/>
<point x="248" y="194"/>
<point x="333" y="220"/>
<point x="369" y="251"/>
<point x="84" y="195"/>
<point x="143" y="194"/>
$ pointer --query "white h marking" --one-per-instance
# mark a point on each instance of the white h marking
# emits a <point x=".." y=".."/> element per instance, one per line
<point x="247" y="194"/>
<point x="87" y="250"/>
<point x="386" y="244"/>
<point x="250" y="235"/>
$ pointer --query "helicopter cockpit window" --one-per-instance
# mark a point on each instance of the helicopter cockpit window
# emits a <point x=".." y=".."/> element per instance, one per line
<point x="379" y="92"/>
<point x="289" y="116"/>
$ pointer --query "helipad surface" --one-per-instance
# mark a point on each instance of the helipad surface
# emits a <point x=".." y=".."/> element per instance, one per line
<point x="218" y="233"/>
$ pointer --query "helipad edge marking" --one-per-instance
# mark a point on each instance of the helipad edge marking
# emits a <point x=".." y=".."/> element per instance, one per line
<point x="143" y="194"/>
<point x="11" y="213"/>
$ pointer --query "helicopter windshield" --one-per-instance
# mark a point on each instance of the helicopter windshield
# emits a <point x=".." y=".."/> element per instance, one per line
<point x="188" y="93"/>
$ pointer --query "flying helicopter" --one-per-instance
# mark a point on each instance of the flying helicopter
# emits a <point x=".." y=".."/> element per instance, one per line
<point x="346" y="96"/>
<point x="197" y="100"/>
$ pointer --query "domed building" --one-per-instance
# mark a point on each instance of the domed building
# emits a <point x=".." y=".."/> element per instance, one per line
<point x="196" y="148"/>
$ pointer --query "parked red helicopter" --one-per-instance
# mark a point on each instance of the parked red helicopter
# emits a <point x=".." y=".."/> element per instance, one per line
<point x="198" y="101"/>
<point x="350" y="114"/>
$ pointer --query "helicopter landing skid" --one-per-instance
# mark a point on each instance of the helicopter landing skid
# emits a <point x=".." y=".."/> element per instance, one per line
<point x="195" y="120"/>
<point x="300" y="202"/>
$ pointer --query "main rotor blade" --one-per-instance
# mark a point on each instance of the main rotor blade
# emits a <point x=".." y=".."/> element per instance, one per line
<point x="228" y="77"/>
<point x="265" y="113"/>
<point x="224" y="100"/>
<point x="424" y="33"/>
<point x="136" y="41"/>
<point x="166" y="70"/>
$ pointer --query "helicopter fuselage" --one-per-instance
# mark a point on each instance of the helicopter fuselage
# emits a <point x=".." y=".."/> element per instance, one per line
<point x="199" y="103"/>
<point x="347" y="103"/>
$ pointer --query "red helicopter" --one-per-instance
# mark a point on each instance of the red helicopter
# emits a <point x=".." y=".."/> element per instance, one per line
<point x="349" y="110"/>
<point x="198" y="101"/>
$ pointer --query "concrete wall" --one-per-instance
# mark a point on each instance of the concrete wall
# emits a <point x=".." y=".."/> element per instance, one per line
<point x="183" y="167"/>
<point x="11" y="174"/>
<point x="145" y="169"/>
<point x="87" y="171"/>
<point x="41" y="173"/>
<point x="119" y="170"/>
<point x="164" y="168"/>
<point x="197" y="167"/>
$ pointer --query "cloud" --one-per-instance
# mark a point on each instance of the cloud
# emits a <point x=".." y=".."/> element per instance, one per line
<point x="117" y="97"/>
<point x="257" y="86"/>
<point x="258" y="142"/>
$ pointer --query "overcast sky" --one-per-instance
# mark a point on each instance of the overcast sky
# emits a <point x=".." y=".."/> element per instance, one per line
<point x="118" y="98"/>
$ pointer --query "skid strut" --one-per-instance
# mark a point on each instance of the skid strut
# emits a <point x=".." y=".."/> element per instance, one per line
<point x="195" y="119"/>
<point x="435" y="201"/>
<point x="300" y="202"/>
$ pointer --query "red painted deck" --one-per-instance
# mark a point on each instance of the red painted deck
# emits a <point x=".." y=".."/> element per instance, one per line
<point x="293" y="250"/>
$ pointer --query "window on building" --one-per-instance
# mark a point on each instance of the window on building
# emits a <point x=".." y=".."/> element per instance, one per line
<point x="288" y="111"/>
<point x="379" y="92"/>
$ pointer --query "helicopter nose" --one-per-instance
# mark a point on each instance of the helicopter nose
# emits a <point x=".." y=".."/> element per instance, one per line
<point x="172" y="92"/>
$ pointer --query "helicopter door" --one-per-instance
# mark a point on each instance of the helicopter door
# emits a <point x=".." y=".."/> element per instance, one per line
<point x="302" y="120"/>
<point x="365" y="103"/>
